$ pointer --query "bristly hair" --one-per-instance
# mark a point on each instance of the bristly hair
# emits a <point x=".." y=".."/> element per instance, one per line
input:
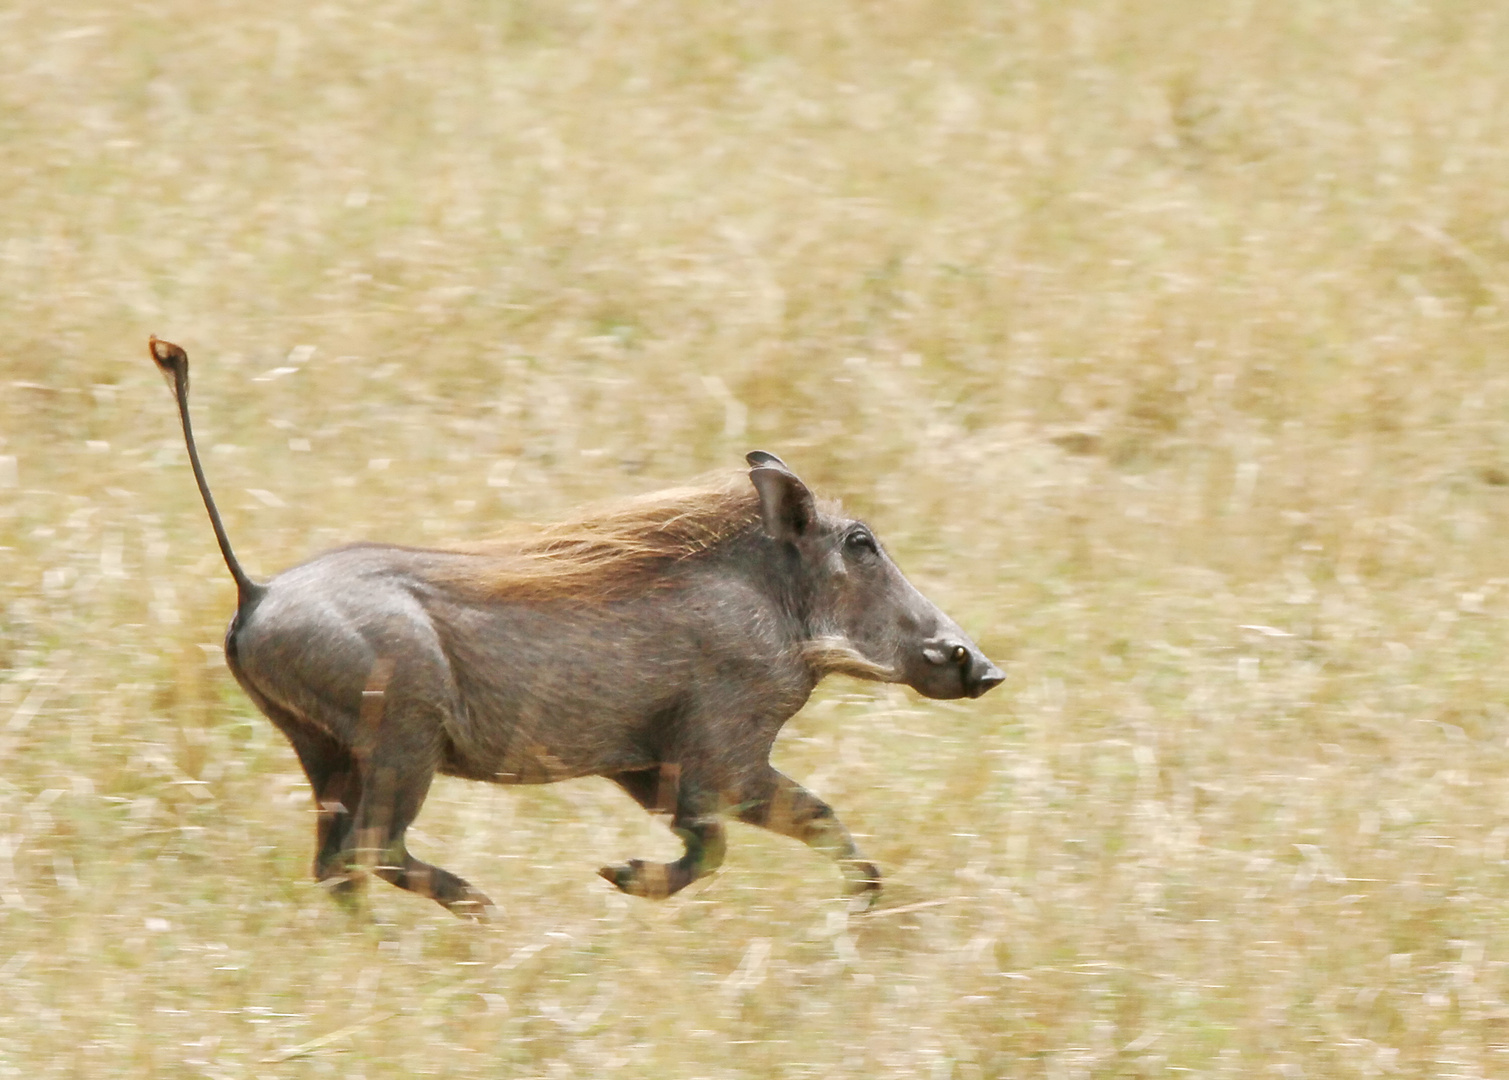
<point x="610" y="551"/>
<point x="835" y="656"/>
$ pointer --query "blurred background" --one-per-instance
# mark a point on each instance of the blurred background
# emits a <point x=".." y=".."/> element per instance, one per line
<point x="1163" y="343"/>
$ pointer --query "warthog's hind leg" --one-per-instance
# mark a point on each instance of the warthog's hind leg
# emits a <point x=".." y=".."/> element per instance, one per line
<point x="395" y="779"/>
<point x="694" y="819"/>
<point x="336" y="784"/>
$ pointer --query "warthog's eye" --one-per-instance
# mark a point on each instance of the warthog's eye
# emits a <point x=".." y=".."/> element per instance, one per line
<point x="860" y="542"/>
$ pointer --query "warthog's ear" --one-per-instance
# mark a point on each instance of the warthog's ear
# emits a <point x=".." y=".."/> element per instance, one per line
<point x="759" y="458"/>
<point x="787" y="509"/>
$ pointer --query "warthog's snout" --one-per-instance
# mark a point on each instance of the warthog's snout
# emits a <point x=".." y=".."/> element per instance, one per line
<point x="977" y="674"/>
<point x="982" y="676"/>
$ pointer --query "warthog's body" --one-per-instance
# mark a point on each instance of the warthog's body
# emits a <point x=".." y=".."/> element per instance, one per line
<point x="661" y="643"/>
<point x="525" y="692"/>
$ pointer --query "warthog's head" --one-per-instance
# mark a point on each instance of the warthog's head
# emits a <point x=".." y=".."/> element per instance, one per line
<point x="864" y="616"/>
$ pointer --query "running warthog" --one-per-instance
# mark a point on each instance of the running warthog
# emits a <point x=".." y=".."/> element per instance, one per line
<point x="661" y="643"/>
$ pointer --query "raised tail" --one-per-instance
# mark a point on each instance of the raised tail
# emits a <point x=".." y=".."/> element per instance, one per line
<point x="174" y="363"/>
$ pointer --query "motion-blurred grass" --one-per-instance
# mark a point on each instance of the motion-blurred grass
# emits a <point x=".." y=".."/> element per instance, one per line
<point x="1164" y="343"/>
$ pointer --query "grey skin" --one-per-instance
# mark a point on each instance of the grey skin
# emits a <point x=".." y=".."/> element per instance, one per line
<point x="381" y="674"/>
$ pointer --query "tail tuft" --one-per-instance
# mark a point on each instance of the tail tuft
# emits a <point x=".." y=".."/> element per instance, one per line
<point x="169" y="357"/>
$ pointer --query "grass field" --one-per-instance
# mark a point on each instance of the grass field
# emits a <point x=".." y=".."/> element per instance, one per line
<point x="1165" y="344"/>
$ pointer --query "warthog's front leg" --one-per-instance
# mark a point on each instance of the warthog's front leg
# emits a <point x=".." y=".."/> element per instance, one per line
<point x="776" y="802"/>
<point x="694" y="819"/>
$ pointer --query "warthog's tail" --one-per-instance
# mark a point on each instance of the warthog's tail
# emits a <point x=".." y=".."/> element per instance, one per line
<point x="174" y="363"/>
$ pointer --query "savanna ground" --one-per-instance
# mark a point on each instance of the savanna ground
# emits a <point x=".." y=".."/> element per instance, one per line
<point x="1165" y="344"/>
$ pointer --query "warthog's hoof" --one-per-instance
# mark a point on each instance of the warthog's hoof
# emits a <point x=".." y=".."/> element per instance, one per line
<point x="863" y="885"/>
<point x="639" y="878"/>
<point x="474" y="906"/>
<point x="346" y="888"/>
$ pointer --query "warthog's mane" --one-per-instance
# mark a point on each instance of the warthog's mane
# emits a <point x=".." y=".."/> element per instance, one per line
<point x="625" y="548"/>
<point x="611" y="550"/>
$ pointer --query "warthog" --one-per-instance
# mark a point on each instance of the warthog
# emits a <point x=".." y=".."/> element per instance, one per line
<point x="661" y="643"/>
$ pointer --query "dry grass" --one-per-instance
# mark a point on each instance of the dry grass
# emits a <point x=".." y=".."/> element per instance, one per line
<point x="1165" y="343"/>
